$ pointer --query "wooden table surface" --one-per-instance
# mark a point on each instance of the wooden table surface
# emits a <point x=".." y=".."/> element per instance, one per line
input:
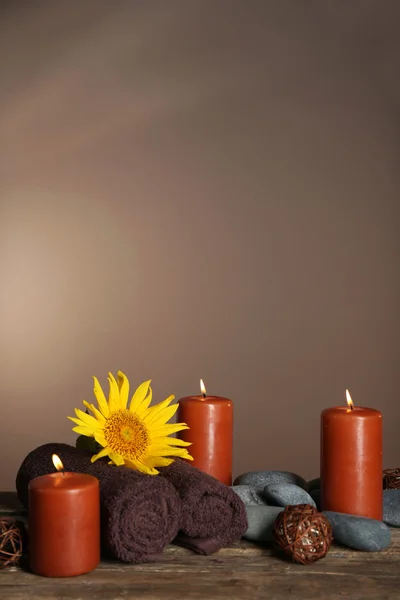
<point x="243" y="571"/>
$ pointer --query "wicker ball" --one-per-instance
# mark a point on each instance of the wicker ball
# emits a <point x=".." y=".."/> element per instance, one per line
<point x="391" y="479"/>
<point x="303" y="533"/>
<point x="12" y="541"/>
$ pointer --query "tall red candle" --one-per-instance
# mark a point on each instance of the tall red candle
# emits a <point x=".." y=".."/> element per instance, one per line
<point x="210" y="421"/>
<point x="351" y="460"/>
<point x="64" y="524"/>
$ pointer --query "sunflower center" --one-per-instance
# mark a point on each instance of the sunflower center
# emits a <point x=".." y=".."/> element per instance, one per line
<point x="126" y="434"/>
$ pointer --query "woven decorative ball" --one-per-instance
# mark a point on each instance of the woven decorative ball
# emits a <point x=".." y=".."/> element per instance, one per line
<point x="303" y="533"/>
<point x="12" y="541"/>
<point x="391" y="479"/>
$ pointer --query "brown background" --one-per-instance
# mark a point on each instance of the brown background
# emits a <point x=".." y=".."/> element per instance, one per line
<point x="200" y="189"/>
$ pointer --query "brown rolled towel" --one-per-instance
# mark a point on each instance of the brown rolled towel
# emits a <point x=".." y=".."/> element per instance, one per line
<point x="140" y="514"/>
<point x="212" y="514"/>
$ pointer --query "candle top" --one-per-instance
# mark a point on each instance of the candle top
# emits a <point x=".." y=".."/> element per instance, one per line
<point x="62" y="481"/>
<point x="207" y="399"/>
<point x="357" y="411"/>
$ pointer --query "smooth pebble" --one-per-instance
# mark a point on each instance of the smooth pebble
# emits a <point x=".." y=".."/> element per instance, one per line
<point x="359" y="533"/>
<point x="261" y="521"/>
<point x="286" y="494"/>
<point x="314" y="484"/>
<point x="316" y="496"/>
<point x="391" y="507"/>
<point x="248" y="495"/>
<point x="259" y="479"/>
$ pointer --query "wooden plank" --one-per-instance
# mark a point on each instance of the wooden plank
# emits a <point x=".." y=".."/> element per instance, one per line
<point x="214" y="578"/>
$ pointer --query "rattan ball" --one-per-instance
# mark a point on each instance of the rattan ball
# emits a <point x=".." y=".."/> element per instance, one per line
<point x="391" y="479"/>
<point x="12" y="541"/>
<point x="303" y="533"/>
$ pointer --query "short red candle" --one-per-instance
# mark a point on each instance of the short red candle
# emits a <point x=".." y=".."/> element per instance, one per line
<point x="351" y="461"/>
<point x="210" y="421"/>
<point x="64" y="524"/>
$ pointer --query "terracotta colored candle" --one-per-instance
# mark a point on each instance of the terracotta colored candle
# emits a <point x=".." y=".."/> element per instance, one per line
<point x="351" y="460"/>
<point x="210" y="419"/>
<point x="64" y="523"/>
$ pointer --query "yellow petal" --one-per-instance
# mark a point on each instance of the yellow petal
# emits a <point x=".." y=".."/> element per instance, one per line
<point x="83" y="426"/>
<point x="123" y="385"/>
<point x="103" y="452"/>
<point x="158" y="461"/>
<point x="100" y="439"/>
<point x="138" y="465"/>
<point x="139" y="395"/>
<point x="94" y="410"/>
<point x="78" y="422"/>
<point x="88" y="420"/>
<point x="169" y="429"/>
<point x="145" y="404"/>
<point x="162" y="417"/>
<point x="168" y="451"/>
<point x="116" y="458"/>
<point x="100" y="397"/>
<point x="113" y="397"/>
<point x="83" y="430"/>
<point x="153" y="413"/>
<point x="168" y="441"/>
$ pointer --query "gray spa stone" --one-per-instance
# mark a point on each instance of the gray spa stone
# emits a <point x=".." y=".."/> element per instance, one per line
<point x="286" y="494"/>
<point x="314" y="484"/>
<point x="316" y="496"/>
<point x="259" y="479"/>
<point x="261" y="521"/>
<point x="248" y="495"/>
<point x="391" y="507"/>
<point x="359" y="533"/>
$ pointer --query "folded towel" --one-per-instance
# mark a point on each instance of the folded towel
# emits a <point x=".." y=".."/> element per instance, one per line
<point x="212" y="515"/>
<point x="140" y="514"/>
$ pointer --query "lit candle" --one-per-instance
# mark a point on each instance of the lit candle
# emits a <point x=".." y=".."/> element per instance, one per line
<point x="64" y="523"/>
<point x="210" y="421"/>
<point x="351" y="460"/>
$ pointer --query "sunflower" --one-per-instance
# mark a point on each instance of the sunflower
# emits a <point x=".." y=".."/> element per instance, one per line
<point x="136" y="436"/>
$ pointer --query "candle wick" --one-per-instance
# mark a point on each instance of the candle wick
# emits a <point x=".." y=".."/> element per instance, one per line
<point x="204" y="395"/>
<point x="63" y="472"/>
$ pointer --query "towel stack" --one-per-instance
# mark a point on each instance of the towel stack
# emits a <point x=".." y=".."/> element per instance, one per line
<point x="141" y="514"/>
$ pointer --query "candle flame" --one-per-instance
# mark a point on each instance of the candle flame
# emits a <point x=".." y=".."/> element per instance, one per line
<point x="350" y="402"/>
<point x="203" y="388"/>
<point x="57" y="462"/>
